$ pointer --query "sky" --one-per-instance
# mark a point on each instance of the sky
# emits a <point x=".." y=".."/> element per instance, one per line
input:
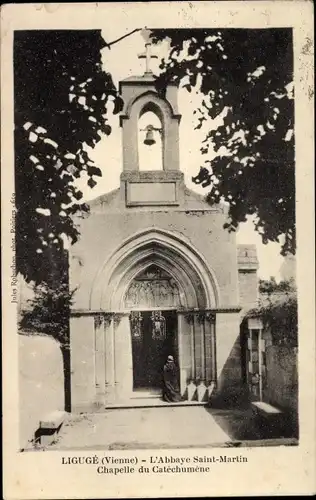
<point x="122" y="61"/>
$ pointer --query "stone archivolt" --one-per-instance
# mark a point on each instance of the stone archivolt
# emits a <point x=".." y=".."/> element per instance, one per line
<point x="192" y="284"/>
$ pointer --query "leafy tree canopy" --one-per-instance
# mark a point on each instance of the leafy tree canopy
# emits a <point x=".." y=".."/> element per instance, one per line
<point x="246" y="78"/>
<point x="48" y="310"/>
<point x="271" y="286"/>
<point x="280" y="316"/>
<point x="61" y="103"/>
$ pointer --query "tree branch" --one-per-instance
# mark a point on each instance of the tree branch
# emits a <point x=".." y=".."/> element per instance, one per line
<point x="122" y="37"/>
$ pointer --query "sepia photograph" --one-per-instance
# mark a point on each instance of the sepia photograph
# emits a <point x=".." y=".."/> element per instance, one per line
<point x="153" y="226"/>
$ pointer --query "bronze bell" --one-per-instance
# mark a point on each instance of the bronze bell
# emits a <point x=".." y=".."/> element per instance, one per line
<point x="149" y="139"/>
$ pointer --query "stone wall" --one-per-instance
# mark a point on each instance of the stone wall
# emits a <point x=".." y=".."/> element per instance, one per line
<point x="83" y="372"/>
<point x="281" y="377"/>
<point x="272" y="368"/>
<point x="248" y="290"/>
<point x="228" y="361"/>
<point x="41" y="382"/>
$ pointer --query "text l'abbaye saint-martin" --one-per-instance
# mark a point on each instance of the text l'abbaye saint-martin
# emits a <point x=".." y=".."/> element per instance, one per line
<point x="197" y="459"/>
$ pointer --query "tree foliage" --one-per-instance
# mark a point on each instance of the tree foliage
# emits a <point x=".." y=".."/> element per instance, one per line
<point x="280" y="317"/>
<point x="246" y="78"/>
<point x="48" y="311"/>
<point x="278" y="310"/>
<point x="61" y="100"/>
<point x="48" y="314"/>
<point x="271" y="286"/>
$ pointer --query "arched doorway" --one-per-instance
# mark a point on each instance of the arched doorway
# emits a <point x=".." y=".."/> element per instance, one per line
<point x="156" y="290"/>
<point x="153" y="297"/>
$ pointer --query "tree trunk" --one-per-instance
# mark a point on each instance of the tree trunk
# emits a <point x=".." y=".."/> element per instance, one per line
<point x="65" y="349"/>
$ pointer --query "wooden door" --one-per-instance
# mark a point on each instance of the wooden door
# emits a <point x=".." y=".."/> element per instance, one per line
<point x="154" y="337"/>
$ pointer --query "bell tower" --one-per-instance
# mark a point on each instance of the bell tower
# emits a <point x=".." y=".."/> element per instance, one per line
<point x="145" y="186"/>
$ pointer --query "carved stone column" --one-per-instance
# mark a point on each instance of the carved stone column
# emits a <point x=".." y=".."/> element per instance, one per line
<point x="197" y="348"/>
<point x="185" y="355"/>
<point x="180" y="351"/>
<point x="109" y="357"/>
<point x="201" y="387"/>
<point x="189" y="317"/>
<point x="211" y="383"/>
<point x="99" y="359"/>
<point x="201" y="321"/>
<point x="190" y="320"/>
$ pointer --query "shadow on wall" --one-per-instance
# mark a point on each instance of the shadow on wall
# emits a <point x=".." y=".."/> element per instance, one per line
<point x="231" y="391"/>
<point x="41" y="382"/>
<point x="281" y="388"/>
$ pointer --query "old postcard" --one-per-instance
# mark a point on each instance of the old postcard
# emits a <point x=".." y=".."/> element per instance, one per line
<point x="158" y="251"/>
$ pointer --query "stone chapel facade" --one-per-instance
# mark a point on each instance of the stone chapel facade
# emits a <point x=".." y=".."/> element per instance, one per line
<point x="155" y="274"/>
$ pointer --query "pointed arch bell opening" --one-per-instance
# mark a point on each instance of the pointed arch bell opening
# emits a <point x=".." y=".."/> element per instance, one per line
<point x="150" y="139"/>
<point x="150" y="105"/>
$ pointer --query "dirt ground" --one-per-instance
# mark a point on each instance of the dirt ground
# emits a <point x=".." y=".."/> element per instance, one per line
<point x="163" y="427"/>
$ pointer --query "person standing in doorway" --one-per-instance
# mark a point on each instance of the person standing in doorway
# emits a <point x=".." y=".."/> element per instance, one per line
<point x="170" y="391"/>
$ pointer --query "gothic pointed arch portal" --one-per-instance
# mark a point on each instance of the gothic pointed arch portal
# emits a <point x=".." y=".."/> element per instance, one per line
<point x="151" y="287"/>
<point x="168" y="251"/>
